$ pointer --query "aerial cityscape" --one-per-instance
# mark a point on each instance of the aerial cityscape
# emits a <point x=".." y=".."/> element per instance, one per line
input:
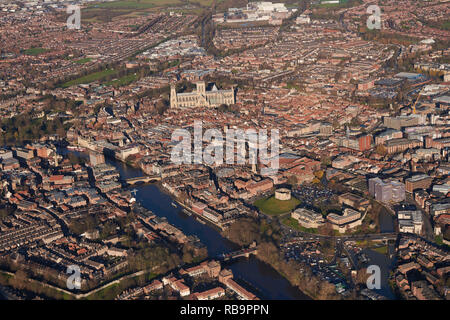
<point x="224" y="150"/>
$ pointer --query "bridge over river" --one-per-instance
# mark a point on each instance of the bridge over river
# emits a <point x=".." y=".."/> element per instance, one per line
<point x="244" y="252"/>
<point x="143" y="179"/>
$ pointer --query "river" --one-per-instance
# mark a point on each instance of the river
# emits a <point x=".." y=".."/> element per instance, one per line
<point x="252" y="273"/>
<point x="257" y="276"/>
<point x="385" y="262"/>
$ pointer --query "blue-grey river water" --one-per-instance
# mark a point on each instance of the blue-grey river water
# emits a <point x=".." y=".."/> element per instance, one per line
<point x="259" y="277"/>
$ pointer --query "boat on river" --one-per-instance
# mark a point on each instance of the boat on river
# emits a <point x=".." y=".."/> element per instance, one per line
<point x="187" y="212"/>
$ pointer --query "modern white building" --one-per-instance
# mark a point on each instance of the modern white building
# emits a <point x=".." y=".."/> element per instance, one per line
<point x="410" y="221"/>
<point x="348" y="220"/>
<point x="307" y="218"/>
<point x="267" y="6"/>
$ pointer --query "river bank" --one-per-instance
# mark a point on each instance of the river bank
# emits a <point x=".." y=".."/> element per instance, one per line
<point x="265" y="277"/>
<point x="261" y="278"/>
<point x="158" y="199"/>
<point x="278" y="265"/>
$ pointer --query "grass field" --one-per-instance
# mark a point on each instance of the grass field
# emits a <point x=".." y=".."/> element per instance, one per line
<point x="446" y="25"/>
<point x="382" y="250"/>
<point x="123" y="81"/>
<point x="109" y="292"/>
<point x="121" y="9"/>
<point x="205" y="3"/>
<point x="365" y="243"/>
<point x="137" y="4"/>
<point x="89" y="78"/>
<point x="83" y="61"/>
<point x="440" y="241"/>
<point x="341" y="4"/>
<point x="34" y="51"/>
<point x="272" y="206"/>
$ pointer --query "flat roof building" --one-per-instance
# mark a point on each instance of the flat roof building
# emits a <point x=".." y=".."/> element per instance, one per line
<point x="386" y="191"/>
<point x="420" y="181"/>
<point x="307" y="218"/>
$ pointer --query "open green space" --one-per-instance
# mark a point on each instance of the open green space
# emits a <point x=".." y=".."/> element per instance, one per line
<point x="147" y="277"/>
<point x="136" y="4"/>
<point x="382" y="250"/>
<point x="106" y="293"/>
<point x="440" y="241"/>
<point x="110" y="292"/>
<point x="23" y="128"/>
<point x="108" y="11"/>
<point x="89" y="78"/>
<point x="272" y="206"/>
<point x="83" y="61"/>
<point x="34" y="51"/>
<point x="322" y="10"/>
<point x="323" y="4"/>
<point x="365" y="243"/>
<point x="204" y="3"/>
<point x="446" y="25"/>
<point x="123" y="81"/>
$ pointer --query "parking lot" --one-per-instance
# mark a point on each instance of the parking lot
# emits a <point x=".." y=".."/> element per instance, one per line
<point x="306" y="253"/>
<point x="309" y="194"/>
